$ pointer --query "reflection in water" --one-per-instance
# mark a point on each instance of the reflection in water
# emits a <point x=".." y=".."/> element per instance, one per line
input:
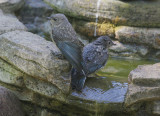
<point x="102" y="90"/>
<point x="119" y="69"/>
<point x="111" y="85"/>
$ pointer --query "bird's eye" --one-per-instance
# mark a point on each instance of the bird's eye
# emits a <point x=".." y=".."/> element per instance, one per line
<point x="109" y="42"/>
<point x="54" y="19"/>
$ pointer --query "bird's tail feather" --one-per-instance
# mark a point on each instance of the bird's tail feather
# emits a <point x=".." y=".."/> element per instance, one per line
<point x="77" y="79"/>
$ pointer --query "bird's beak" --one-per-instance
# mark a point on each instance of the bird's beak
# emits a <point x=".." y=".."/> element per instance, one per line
<point x="114" y="44"/>
<point x="48" y="18"/>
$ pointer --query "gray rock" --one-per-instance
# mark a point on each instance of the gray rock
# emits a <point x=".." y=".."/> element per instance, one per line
<point x="11" y="5"/>
<point x="156" y="107"/>
<point x="148" y="36"/>
<point x="128" y="50"/>
<point x="137" y="94"/>
<point x="158" y="54"/>
<point x="88" y="28"/>
<point x="9" y="104"/>
<point x="36" y="57"/>
<point x="36" y="8"/>
<point x="146" y="75"/>
<point x="44" y="88"/>
<point x="144" y="84"/>
<point x="131" y="13"/>
<point x="34" y="15"/>
<point x="9" y="75"/>
<point x="9" y="22"/>
<point x="39" y="111"/>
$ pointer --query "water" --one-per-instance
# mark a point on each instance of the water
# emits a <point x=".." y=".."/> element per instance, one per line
<point x="110" y="86"/>
<point x="118" y="69"/>
<point x="97" y="14"/>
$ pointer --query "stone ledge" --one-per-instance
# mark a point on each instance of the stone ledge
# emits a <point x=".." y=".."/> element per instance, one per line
<point x="146" y="75"/>
<point x="36" y="57"/>
<point x="144" y="36"/>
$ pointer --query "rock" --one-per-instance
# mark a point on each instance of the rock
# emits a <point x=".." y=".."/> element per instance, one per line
<point x="9" y="104"/>
<point x="128" y="50"/>
<point x="150" y="37"/>
<point x="11" y="5"/>
<point x="128" y="13"/>
<point x="9" y="22"/>
<point x="137" y="94"/>
<point x="100" y="96"/>
<point x="34" y="15"/>
<point x="88" y="28"/>
<point x="146" y="75"/>
<point x="9" y="75"/>
<point x="156" y="108"/>
<point x="38" y="8"/>
<point x="39" y="111"/>
<point x="44" y="88"/>
<point x="36" y="57"/>
<point x="158" y="54"/>
<point x="144" y="84"/>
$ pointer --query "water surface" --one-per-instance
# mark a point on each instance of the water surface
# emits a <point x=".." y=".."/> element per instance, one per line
<point x="111" y="84"/>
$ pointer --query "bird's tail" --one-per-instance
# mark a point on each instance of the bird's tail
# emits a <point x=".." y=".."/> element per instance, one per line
<point x="77" y="79"/>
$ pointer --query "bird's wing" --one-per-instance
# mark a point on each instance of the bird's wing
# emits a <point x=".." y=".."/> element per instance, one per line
<point x="72" y="53"/>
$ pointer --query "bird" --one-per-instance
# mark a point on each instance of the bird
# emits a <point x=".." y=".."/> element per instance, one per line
<point x="84" y="59"/>
<point x="95" y="56"/>
<point x="66" y="39"/>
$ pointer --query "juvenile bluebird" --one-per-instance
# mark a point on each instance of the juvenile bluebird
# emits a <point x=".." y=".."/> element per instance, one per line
<point x="67" y="40"/>
<point x="95" y="56"/>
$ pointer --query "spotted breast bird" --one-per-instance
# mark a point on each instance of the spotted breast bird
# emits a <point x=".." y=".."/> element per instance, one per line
<point x="95" y="56"/>
<point x="67" y="40"/>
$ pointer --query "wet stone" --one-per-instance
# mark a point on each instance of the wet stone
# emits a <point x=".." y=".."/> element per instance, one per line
<point x="146" y="75"/>
<point x="9" y="104"/>
<point x="100" y="92"/>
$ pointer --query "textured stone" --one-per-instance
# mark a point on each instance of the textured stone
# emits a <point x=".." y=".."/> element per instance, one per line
<point x="131" y="13"/>
<point x="9" y="22"/>
<point x="33" y="14"/>
<point x="156" y="107"/>
<point x="11" y="5"/>
<point x="134" y="51"/>
<point x="36" y="8"/>
<point x="44" y="88"/>
<point x="36" y="57"/>
<point x="136" y="94"/>
<point x="144" y="84"/>
<point x="91" y="29"/>
<point x="146" y="75"/>
<point x="9" y="104"/>
<point x="148" y="36"/>
<point x="8" y="74"/>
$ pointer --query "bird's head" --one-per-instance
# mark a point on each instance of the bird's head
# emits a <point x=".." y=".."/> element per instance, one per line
<point x="57" y="20"/>
<point x="106" y="41"/>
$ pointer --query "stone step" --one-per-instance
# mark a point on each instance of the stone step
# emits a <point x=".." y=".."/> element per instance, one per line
<point x="145" y="36"/>
<point x="129" y="13"/>
<point x="9" y="22"/>
<point x="36" y="57"/>
<point x="146" y="75"/>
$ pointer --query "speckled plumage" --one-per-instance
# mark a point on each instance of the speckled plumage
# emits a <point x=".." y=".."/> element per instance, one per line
<point x="67" y="40"/>
<point x="95" y="56"/>
<point x="64" y="31"/>
<point x="85" y="60"/>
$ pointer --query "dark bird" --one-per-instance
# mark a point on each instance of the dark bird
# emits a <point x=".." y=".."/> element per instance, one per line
<point x="85" y="60"/>
<point x="67" y="40"/>
<point x="95" y="56"/>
